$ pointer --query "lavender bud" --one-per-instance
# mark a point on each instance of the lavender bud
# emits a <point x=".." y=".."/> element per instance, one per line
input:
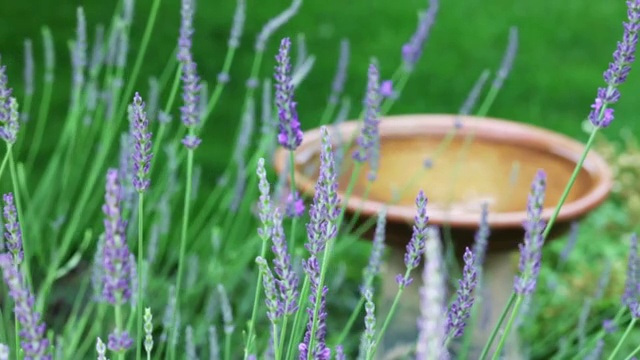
<point x="227" y="315"/>
<point x="416" y="246"/>
<point x="142" y="154"/>
<point x="186" y="31"/>
<point x="290" y="134"/>
<point x="616" y="74"/>
<point x="34" y="343"/>
<point x="287" y="279"/>
<point x="190" y="344"/>
<point x="97" y="51"/>
<point x="13" y="231"/>
<point x="507" y="60"/>
<point x="461" y="307"/>
<point x="432" y="321"/>
<point x="214" y="349"/>
<point x="49" y="55"/>
<point x="274" y="306"/>
<point x="531" y="249"/>
<point x="632" y="283"/>
<point x="375" y="259"/>
<point x="472" y="98"/>
<point x="412" y="51"/>
<point x="79" y="56"/>
<point x="101" y="349"/>
<point x="340" y="78"/>
<point x="238" y="23"/>
<point x="148" y="330"/>
<point x="369" y="139"/>
<point x="481" y="238"/>
<point x="119" y="341"/>
<point x="275" y="23"/>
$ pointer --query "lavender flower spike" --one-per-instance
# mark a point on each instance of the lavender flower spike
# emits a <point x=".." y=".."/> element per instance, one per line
<point x="190" y="113"/>
<point x="461" y="307"/>
<point x="507" y="60"/>
<point x="616" y="74"/>
<point x="287" y="279"/>
<point x="290" y="134"/>
<point x="415" y="247"/>
<point x="13" y="233"/>
<point x="8" y="111"/>
<point x="340" y="78"/>
<point x="412" y="50"/>
<point x="531" y="250"/>
<point x="186" y="30"/>
<point x="369" y="139"/>
<point x="116" y="255"/>
<point x="238" y="23"/>
<point x="632" y="283"/>
<point x="28" y="68"/>
<point x="142" y="153"/>
<point x="34" y="343"/>
<point x="4" y="352"/>
<point x="431" y="324"/>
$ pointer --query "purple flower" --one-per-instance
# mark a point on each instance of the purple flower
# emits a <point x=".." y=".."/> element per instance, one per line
<point x="34" y="343"/>
<point x="632" y="283"/>
<point x="461" y="307"/>
<point x="186" y="31"/>
<point x="274" y="306"/>
<point x="375" y="259"/>
<point x="8" y="110"/>
<point x="432" y="322"/>
<point x="368" y="337"/>
<point x="119" y="341"/>
<point x="507" y="60"/>
<point x="290" y="134"/>
<point x="13" y="233"/>
<point x="190" y="113"/>
<point x="116" y="255"/>
<point x="324" y="213"/>
<point x="142" y="154"/>
<point x="481" y="238"/>
<point x="294" y="205"/>
<point x="616" y="74"/>
<point x="609" y="326"/>
<point x="596" y="353"/>
<point x="287" y="279"/>
<point x="412" y="50"/>
<point x="415" y="247"/>
<point x="369" y="139"/>
<point x="472" y="98"/>
<point x="531" y="249"/>
<point x="340" y="353"/>
<point x="340" y="78"/>
<point x="386" y="89"/>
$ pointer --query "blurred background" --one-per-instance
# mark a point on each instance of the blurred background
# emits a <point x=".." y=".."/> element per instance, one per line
<point x="564" y="48"/>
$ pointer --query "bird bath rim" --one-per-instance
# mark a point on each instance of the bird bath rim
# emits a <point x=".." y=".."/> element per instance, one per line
<point x="486" y="128"/>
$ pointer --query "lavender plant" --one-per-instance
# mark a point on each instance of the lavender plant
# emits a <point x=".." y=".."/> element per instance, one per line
<point x="289" y="313"/>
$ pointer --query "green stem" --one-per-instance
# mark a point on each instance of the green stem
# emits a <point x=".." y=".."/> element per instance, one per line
<point x="17" y="336"/>
<point x="217" y="91"/>
<point x="352" y="319"/>
<point x="118" y="314"/>
<point x="622" y="339"/>
<point x="140" y="271"/>
<point x="599" y="335"/>
<point x="4" y="163"/>
<point x="496" y="328"/>
<point x="296" y="330"/>
<point x="292" y="173"/>
<point x="389" y="316"/>
<point x="183" y="237"/>
<point x="507" y="328"/>
<point x="141" y="50"/>
<point x="256" y="299"/>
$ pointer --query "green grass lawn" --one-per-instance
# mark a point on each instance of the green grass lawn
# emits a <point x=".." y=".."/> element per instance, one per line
<point x="564" y="48"/>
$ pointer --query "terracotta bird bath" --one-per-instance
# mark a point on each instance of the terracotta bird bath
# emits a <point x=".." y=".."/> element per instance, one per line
<point x="484" y="160"/>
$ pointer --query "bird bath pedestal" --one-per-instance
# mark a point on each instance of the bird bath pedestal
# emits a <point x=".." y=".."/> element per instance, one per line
<point x="483" y="160"/>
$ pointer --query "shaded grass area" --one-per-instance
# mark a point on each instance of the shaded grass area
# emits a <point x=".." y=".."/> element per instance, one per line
<point x="564" y="48"/>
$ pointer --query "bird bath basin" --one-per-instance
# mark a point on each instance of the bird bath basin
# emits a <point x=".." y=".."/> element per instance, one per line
<point x="484" y="160"/>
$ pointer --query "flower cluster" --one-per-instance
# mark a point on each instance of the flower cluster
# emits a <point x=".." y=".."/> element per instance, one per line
<point x="290" y="134"/>
<point x="369" y="139"/>
<point x="531" y="249"/>
<point x="8" y="110"/>
<point x="142" y="153"/>
<point x="13" y="233"/>
<point x="415" y="247"/>
<point x="616" y="74"/>
<point x="34" y="343"/>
